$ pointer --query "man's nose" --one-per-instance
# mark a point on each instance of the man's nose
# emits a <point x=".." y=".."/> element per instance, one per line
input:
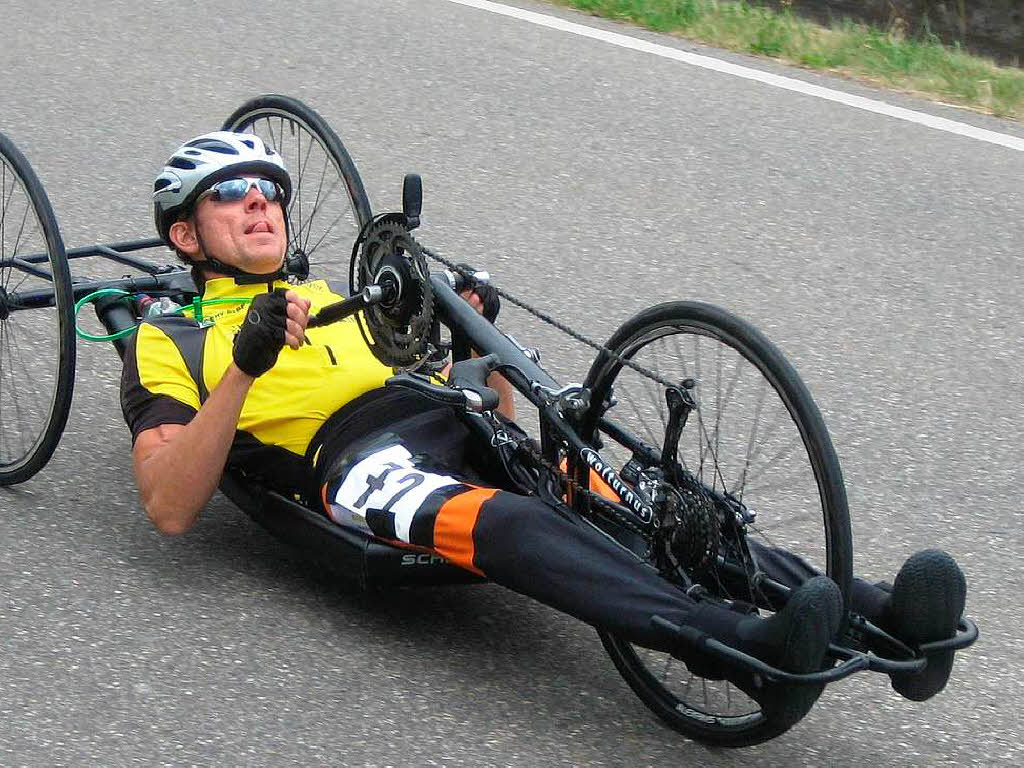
<point x="254" y="199"/>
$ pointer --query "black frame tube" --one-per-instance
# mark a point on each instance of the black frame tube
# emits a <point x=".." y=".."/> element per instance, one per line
<point x="171" y="282"/>
<point x="108" y="250"/>
<point x="115" y="252"/>
<point x="523" y="374"/>
<point x="464" y="321"/>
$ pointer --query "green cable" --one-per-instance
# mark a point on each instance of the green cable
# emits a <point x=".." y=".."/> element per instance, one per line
<point x="196" y="307"/>
<point x="92" y="297"/>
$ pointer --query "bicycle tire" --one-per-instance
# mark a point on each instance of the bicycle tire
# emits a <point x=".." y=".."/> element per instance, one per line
<point x="708" y="325"/>
<point x="282" y="121"/>
<point x="25" y="449"/>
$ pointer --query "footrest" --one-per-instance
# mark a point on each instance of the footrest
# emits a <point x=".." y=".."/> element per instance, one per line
<point x="852" y="660"/>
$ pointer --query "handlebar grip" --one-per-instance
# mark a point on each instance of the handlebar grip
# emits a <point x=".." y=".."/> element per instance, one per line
<point x="471" y="375"/>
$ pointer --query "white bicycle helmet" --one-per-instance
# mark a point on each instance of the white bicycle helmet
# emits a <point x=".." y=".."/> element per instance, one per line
<point x="200" y="163"/>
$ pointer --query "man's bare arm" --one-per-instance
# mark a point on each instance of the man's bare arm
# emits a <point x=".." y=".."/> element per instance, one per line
<point x="177" y="467"/>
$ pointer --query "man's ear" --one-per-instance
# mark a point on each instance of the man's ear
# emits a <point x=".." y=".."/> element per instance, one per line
<point x="183" y="235"/>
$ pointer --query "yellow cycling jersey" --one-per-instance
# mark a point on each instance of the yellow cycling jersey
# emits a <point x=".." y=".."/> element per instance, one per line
<point x="174" y="362"/>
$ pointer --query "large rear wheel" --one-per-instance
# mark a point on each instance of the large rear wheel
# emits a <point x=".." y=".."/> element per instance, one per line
<point x="37" y="341"/>
<point x="329" y="206"/>
<point x="757" y="444"/>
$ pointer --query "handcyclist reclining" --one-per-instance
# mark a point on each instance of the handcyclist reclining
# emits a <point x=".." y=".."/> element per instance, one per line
<point x="256" y="388"/>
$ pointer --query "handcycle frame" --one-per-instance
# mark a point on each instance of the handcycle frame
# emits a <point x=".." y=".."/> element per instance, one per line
<point x="355" y="555"/>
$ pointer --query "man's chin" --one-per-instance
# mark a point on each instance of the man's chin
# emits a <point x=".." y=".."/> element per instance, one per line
<point x="263" y="263"/>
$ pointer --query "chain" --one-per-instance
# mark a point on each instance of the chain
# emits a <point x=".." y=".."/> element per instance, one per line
<point x="552" y="322"/>
<point x="604" y="507"/>
<point x="600" y="504"/>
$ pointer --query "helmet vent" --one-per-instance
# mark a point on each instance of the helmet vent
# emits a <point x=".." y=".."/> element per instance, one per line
<point x="249" y="143"/>
<point x="182" y="163"/>
<point x="160" y="184"/>
<point x="213" y="145"/>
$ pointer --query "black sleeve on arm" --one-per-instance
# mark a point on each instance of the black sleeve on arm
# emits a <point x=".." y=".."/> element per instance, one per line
<point x="143" y="409"/>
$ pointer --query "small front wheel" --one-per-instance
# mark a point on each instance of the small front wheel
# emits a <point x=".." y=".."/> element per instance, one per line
<point x="37" y="341"/>
<point x="755" y="442"/>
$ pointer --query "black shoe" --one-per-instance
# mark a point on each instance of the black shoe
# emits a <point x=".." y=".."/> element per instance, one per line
<point x="795" y="640"/>
<point x="926" y="603"/>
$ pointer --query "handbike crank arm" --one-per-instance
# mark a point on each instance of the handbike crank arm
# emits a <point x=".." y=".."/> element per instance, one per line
<point x="332" y="313"/>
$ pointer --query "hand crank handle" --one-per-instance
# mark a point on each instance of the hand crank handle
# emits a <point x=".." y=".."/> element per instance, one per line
<point x="332" y="313"/>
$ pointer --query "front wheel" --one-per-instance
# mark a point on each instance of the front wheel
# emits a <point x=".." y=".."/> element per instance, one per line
<point x="757" y="444"/>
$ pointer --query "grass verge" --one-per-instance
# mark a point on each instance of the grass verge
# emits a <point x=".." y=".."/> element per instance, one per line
<point x="890" y="58"/>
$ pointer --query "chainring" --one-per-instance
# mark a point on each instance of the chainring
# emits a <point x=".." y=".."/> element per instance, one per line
<point x="397" y="328"/>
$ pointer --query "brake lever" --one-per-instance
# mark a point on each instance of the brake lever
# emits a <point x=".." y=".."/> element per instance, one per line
<point x="470" y="376"/>
<point x="467" y="387"/>
<point x="444" y="395"/>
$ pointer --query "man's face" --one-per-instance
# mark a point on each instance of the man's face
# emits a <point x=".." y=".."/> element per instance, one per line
<point x="247" y="233"/>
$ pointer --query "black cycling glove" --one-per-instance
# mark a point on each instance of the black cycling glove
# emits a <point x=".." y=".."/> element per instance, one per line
<point x="261" y="337"/>
<point x="488" y="293"/>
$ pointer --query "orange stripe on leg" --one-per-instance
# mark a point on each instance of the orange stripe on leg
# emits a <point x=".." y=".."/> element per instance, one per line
<point x="453" y="526"/>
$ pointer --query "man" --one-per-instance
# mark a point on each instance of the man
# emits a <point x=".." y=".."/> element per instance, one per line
<point x="260" y="389"/>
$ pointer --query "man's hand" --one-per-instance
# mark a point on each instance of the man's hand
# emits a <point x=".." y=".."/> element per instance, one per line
<point x="482" y="296"/>
<point x="273" y="320"/>
<point x="484" y="299"/>
<point x="298" y="317"/>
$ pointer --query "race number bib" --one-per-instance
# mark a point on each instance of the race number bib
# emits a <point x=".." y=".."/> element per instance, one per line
<point x="386" y="480"/>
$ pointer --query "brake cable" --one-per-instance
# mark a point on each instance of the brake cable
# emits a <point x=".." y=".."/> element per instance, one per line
<point x="544" y="317"/>
<point x="606" y="508"/>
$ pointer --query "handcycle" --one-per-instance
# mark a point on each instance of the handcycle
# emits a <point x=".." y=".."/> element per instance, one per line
<point x="689" y="437"/>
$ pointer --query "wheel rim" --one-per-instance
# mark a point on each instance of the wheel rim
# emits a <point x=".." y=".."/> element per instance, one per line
<point x="324" y="214"/>
<point x="30" y="353"/>
<point x="743" y="439"/>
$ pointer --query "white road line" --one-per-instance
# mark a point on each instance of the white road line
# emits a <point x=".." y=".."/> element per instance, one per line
<point x="725" y="67"/>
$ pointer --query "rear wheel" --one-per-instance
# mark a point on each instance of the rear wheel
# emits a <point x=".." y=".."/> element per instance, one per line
<point x="756" y="437"/>
<point x="329" y="206"/>
<point x="37" y="347"/>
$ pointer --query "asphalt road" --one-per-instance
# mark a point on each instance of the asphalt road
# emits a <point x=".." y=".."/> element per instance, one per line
<point x="881" y="255"/>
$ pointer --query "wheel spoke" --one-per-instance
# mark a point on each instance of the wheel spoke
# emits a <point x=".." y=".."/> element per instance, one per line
<point x="624" y="393"/>
<point x="11" y="347"/>
<point x="4" y="429"/>
<point x="338" y="218"/>
<point x="21" y="229"/>
<point x="752" y="440"/>
<point x="318" y="203"/>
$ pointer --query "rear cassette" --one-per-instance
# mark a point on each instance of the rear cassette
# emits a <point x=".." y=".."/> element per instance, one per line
<point x="398" y="327"/>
